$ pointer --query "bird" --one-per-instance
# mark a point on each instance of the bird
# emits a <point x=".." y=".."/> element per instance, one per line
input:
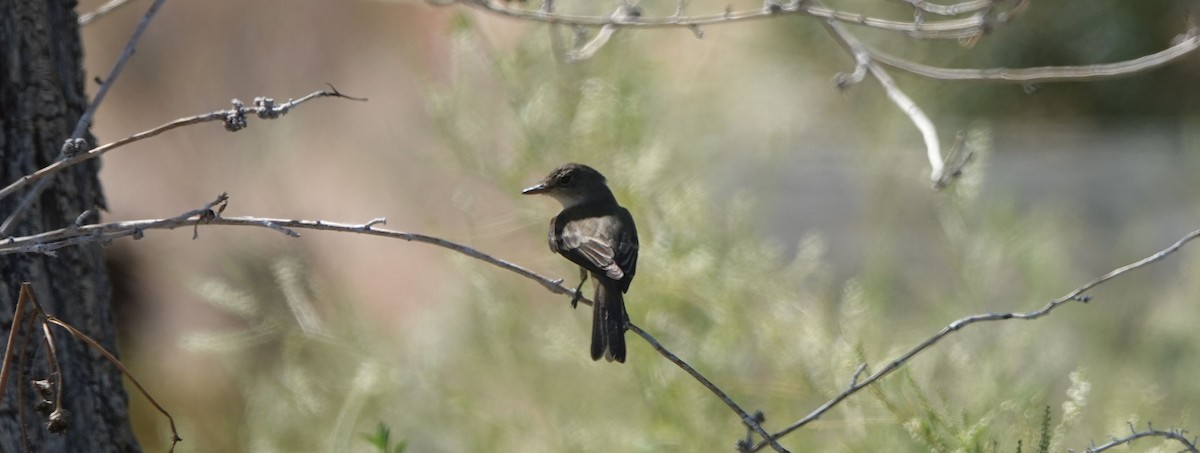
<point x="596" y="233"/>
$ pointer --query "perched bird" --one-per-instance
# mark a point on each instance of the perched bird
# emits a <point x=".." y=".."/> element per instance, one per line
<point x="598" y="234"/>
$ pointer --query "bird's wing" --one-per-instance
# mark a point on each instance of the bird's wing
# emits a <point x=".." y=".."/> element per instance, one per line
<point x="594" y="253"/>
<point x="553" y="237"/>
<point x="625" y="253"/>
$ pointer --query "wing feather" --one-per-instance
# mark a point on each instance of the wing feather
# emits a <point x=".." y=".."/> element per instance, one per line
<point x="605" y="245"/>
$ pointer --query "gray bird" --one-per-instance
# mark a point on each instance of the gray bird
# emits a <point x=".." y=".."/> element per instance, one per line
<point x="598" y="234"/>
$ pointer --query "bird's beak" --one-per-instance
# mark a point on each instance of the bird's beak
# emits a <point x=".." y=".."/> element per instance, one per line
<point x="536" y="189"/>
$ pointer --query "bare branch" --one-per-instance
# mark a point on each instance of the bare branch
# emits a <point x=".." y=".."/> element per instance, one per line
<point x="950" y="29"/>
<point x="1173" y="434"/>
<point x="175" y="439"/>
<point x="956" y="9"/>
<point x="9" y="350"/>
<point x="933" y="149"/>
<point x="209" y="215"/>
<point x="27" y="296"/>
<point x="81" y="126"/>
<point x="746" y="418"/>
<point x="589" y="49"/>
<point x="55" y="371"/>
<point x="1188" y="43"/>
<point x="234" y="118"/>
<point x="1075" y="295"/>
<point x="103" y="10"/>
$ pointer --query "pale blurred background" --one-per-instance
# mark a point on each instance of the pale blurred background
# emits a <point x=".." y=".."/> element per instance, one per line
<point x="788" y="231"/>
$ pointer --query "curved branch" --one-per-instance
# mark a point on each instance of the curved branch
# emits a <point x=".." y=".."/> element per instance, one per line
<point x="864" y="64"/>
<point x="950" y="28"/>
<point x="85" y="120"/>
<point x="1173" y="434"/>
<point x="1046" y="74"/>
<point x="263" y="108"/>
<point x="210" y="214"/>
<point x="956" y="9"/>
<point x="746" y="418"/>
<point x="1076" y="295"/>
<point x="102" y="11"/>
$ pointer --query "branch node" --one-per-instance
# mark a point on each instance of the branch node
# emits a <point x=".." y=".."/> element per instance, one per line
<point x="954" y="165"/>
<point x="207" y="214"/>
<point x="282" y="229"/>
<point x="73" y="147"/>
<point x="267" y="109"/>
<point x="83" y="217"/>
<point x="59" y="421"/>
<point x="633" y="13"/>
<point x="743" y="445"/>
<point x="857" y="374"/>
<point x="772" y="7"/>
<point x="375" y="221"/>
<point x="333" y="91"/>
<point x="235" y="120"/>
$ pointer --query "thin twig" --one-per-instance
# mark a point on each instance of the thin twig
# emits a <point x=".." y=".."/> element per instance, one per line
<point x="262" y="110"/>
<point x="1076" y="295"/>
<point x="952" y="28"/>
<point x="175" y="439"/>
<point x="1047" y="74"/>
<point x="933" y="149"/>
<point x="606" y="32"/>
<point x="1173" y="434"/>
<point x="746" y="418"/>
<point x="82" y="125"/>
<point x="27" y="296"/>
<point x="103" y="10"/>
<point x="956" y="9"/>
<point x="12" y="338"/>
<point x="52" y="359"/>
<point x="85" y="120"/>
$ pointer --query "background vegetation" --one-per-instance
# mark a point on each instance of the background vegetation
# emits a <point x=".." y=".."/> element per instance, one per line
<point x="788" y="233"/>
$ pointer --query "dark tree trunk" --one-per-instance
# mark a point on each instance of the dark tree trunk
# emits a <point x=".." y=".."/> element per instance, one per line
<point x="41" y="98"/>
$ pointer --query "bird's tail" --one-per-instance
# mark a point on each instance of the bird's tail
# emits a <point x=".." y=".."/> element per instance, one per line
<point x="608" y="322"/>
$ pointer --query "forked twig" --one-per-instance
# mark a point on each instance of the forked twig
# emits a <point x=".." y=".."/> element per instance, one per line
<point x="27" y="297"/>
<point x="84" y="120"/>
<point x="1177" y="435"/>
<point x="234" y="118"/>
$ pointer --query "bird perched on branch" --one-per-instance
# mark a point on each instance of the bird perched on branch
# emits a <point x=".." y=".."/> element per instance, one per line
<point x="598" y="234"/>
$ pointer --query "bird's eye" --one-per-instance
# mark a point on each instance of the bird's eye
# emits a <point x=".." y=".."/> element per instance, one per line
<point x="565" y="179"/>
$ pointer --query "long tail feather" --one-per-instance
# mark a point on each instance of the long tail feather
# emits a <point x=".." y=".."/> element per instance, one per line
<point x="608" y="322"/>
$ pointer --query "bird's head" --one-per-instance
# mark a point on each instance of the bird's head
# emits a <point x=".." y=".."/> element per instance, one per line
<point x="571" y="185"/>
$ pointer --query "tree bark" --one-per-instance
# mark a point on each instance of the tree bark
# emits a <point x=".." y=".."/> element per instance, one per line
<point x="41" y="98"/>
